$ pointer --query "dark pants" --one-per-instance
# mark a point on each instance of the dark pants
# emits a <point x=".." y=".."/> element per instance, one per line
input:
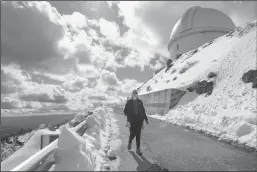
<point x="135" y="131"/>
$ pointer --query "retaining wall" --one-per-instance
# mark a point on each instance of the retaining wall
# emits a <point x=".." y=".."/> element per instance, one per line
<point x="161" y="102"/>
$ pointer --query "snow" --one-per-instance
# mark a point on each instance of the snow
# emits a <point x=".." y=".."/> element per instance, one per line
<point x="114" y="146"/>
<point x="156" y="116"/>
<point x="86" y="152"/>
<point x="73" y="152"/>
<point x="230" y="112"/>
<point x="31" y="147"/>
<point x="205" y="60"/>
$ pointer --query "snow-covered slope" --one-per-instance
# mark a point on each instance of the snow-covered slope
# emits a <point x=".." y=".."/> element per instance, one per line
<point x="230" y="111"/>
<point x="196" y="64"/>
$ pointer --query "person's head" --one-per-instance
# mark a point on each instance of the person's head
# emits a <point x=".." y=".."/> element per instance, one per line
<point x="134" y="95"/>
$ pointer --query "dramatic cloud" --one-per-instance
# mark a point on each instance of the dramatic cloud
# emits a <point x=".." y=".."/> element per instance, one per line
<point x="88" y="71"/>
<point x="76" y="20"/>
<point x="109" y="78"/>
<point x="30" y="32"/>
<point x="15" y="104"/>
<point x="109" y="29"/>
<point x="129" y="85"/>
<point x="93" y="10"/>
<point x="106" y="80"/>
<point x="8" y="103"/>
<point x="45" y="93"/>
<point x="44" y="78"/>
<point x="161" y="16"/>
<point x="75" y="83"/>
<point x="140" y="58"/>
<point x="12" y="79"/>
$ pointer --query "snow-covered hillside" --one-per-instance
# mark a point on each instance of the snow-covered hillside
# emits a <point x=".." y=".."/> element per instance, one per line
<point x="229" y="112"/>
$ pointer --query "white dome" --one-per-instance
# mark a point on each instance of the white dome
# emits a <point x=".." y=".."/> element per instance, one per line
<point x="197" y="19"/>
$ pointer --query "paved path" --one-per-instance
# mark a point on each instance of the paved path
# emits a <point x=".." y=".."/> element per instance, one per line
<point x="130" y="161"/>
<point x="177" y="149"/>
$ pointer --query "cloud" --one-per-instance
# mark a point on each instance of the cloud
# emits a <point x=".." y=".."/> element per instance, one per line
<point x="88" y="71"/>
<point x="30" y="32"/>
<point x="15" y="104"/>
<point x="109" y="29"/>
<point x="138" y="31"/>
<point x="128" y="85"/>
<point x="69" y="41"/>
<point x="8" y="103"/>
<point x="157" y="65"/>
<point x="158" y="18"/>
<point x="46" y="107"/>
<point x="102" y="58"/>
<point x="243" y="12"/>
<point x="93" y="10"/>
<point x="101" y="98"/>
<point x="140" y="58"/>
<point x="106" y="80"/>
<point x="12" y="79"/>
<point x="46" y="78"/>
<point x="57" y="57"/>
<point x="45" y="93"/>
<point x="36" y="36"/>
<point x="76" y="20"/>
<point x="109" y="78"/>
<point x="79" y="46"/>
<point x="74" y="84"/>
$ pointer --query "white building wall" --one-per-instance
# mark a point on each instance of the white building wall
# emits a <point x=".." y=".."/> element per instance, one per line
<point x="188" y="43"/>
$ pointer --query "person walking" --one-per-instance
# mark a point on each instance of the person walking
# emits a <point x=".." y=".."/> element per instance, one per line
<point x="135" y="112"/>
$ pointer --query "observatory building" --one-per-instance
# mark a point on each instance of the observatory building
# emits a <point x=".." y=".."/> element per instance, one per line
<point x="196" y="27"/>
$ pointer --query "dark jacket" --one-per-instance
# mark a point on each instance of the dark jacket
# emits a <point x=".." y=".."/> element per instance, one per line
<point x="131" y="116"/>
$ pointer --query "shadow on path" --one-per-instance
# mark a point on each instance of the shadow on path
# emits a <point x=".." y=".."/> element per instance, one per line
<point x="144" y="164"/>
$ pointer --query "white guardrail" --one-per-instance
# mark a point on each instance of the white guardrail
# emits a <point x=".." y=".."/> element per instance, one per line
<point x="34" y="162"/>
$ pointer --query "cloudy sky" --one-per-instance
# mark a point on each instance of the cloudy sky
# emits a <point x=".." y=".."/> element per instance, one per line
<point x="72" y="55"/>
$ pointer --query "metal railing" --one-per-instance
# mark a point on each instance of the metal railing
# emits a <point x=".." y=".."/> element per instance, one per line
<point x="34" y="162"/>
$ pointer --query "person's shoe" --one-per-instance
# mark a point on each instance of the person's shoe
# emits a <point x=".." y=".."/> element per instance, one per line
<point x="139" y="152"/>
<point x="129" y="146"/>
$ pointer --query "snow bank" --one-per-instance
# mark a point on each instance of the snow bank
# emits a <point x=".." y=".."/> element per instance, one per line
<point x="157" y="116"/>
<point x="114" y="145"/>
<point x="230" y="112"/>
<point x="72" y="152"/>
<point x="86" y="152"/>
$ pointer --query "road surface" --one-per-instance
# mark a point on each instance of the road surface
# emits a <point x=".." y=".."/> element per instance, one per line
<point x="175" y="148"/>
